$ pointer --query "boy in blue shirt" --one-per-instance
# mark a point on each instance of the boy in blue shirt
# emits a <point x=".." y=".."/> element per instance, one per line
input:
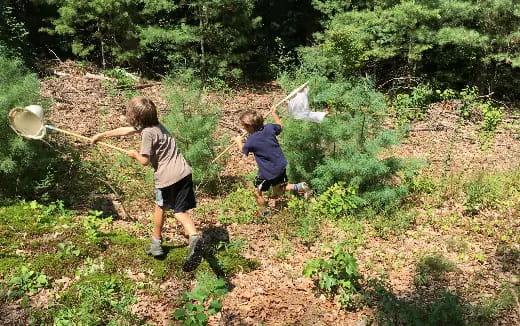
<point x="271" y="162"/>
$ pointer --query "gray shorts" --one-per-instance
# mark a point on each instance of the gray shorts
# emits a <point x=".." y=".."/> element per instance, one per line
<point x="178" y="197"/>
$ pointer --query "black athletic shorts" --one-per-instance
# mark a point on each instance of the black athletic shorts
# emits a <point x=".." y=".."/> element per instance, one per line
<point x="179" y="197"/>
<point x="264" y="185"/>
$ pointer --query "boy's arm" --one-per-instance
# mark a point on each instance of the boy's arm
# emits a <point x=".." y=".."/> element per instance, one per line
<point x="122" y="131"/>
<point x="239" y="140"/>
<point x="142" y="159"/>
<point x="276" y="118"/>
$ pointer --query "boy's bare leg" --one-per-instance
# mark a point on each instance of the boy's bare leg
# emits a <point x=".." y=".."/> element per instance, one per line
<point x="289" y="187"/>
<point x="278" y="190"/>
<point x="187" y="223"/>
<point x="158" y="221"/>
<point x="260" y="200"/>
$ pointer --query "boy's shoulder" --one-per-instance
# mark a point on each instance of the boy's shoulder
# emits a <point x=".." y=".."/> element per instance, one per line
<point x="157" y="129"/>
<point x="273" y="128"/>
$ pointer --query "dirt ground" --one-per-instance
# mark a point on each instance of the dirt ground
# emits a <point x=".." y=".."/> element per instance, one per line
<point x="277" y="293"/>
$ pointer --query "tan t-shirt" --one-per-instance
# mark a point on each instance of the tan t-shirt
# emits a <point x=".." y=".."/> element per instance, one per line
<point x="165" y="158"/>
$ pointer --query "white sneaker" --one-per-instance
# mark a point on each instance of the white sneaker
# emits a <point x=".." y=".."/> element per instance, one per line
<point x="303" y="188"/>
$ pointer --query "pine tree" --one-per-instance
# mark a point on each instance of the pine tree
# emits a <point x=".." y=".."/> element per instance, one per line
<point x="348" y="146"/>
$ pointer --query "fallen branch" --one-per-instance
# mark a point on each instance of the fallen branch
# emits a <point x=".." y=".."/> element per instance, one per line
<point x="99" y="77"/>
<point x="437" y="128"/>
<point x="139" y="86"/>
<point x="147" y="85"/>
<point x="58" y="73"/>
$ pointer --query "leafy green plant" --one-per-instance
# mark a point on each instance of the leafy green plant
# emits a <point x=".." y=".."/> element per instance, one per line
<point x="122" y="81"/>
<point x="305" y="219"/>
<point x="338" y="201"/>
<point x="27" y="280"/>
<point x="67" y="250"/>
<point x="202" y="301"/>
<point x="238" y="207"/>
<point x="93" y="223"/>
<point x="491" y="116"/>
<point x="412" y="107"/>
<point x="393" y="223"/>
<point x="446" y="94"/>
<point x="337" y="276"/>
<point x="483" y="191"/>
<point x="96" y="299"/>
<point x="469" y="99"/>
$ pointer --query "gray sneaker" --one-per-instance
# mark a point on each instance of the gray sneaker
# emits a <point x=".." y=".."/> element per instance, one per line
<point x="155" y="249"/>
<point x="304" y="189"/>
<point x="194" y="257"/>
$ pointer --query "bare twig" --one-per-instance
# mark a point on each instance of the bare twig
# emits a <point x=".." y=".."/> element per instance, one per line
<point x="398" y="78"/>
<point x="57" y="58"/>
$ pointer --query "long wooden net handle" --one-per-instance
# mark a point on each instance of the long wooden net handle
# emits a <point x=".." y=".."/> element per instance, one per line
<point x="86" y="139"/>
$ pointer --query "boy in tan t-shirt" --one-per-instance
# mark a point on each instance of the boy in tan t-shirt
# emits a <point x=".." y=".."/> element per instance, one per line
<point x="172" y="174"/>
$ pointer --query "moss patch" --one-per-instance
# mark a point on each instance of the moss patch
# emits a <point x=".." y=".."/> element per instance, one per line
<point x="96" y="299"/>
<point x="126" y="251"/>
<point x="8" y="263"/>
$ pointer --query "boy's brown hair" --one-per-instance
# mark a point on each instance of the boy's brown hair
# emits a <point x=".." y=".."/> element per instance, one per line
<point x="252" y="120"/>
<point x="141" y="113"/>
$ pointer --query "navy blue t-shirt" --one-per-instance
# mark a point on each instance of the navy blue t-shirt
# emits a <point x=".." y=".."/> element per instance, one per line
<point x="268" y="154"/>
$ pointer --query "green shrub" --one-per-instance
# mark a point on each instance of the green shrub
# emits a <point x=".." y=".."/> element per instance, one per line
<point x="412" y="107"/>
<point x="483" y="191"/>
<point x="337" y="276"/>
<point x="202" y="301"/>
<point x="238" y="207"/>
<point x="305" y="219"/>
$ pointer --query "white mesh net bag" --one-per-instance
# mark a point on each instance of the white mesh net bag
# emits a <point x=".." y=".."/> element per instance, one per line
<point x="298" y="107"/>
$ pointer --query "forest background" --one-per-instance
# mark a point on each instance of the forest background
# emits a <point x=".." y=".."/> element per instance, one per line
<point x="371" y="64"/>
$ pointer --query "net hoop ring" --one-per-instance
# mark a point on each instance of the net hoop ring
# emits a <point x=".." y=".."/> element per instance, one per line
<point x="32" y="113"/>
